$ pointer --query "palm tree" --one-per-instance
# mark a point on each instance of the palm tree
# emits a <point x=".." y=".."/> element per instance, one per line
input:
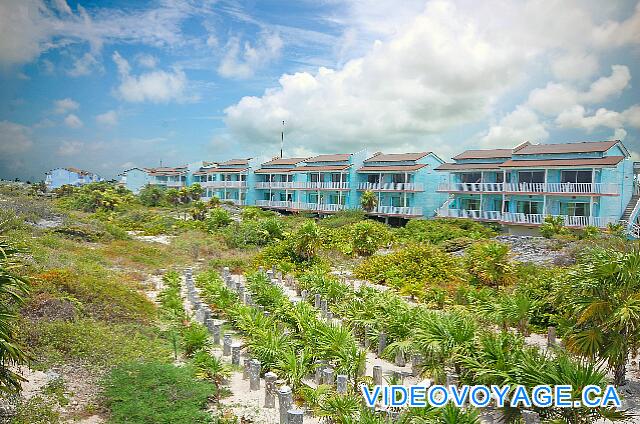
<point x="198" y="210"/>
<point x="196" y="191"/>
<point x="490" y="263"/>
<point x="173" y="196"/>
<point x="212" y="368"/>
<point x="307" y="240"/>
<point x="604" y="307"/>
<point x="368" y="201"/>
<point x="13" y="288"/>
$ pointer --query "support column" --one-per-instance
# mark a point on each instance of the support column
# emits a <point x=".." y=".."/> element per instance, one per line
<point x="254" y="375"/>
<point x="270" y="390"/>
<point x="285" y="400"/>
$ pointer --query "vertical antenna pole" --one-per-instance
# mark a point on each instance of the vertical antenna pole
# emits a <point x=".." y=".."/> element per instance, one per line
<point x="282" y="139"/>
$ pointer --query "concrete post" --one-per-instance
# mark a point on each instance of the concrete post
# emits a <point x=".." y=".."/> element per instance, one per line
<point x="226" y="345"/>
<point x="341" y="383"/>
<point x="273" y="269"/>
<point x="270" y="275"/>
<point x="246" y="368"/>
<point x="319" y="367"/>
<point x="323" y="307"/>
<point x="217" y="329"/>
<point x="317" y="301"/>
<point x="392" y="416"/>
<point x="530" y="417"/>
<point x="235" y="354"/>
<point x="209" y="324"/>
<point x="279" y="277"/>
<point x="285" y="400"/>
<point x="270" y="390"/>
<point x="254" y="375"/>
<point x="416" y="364"/>
<point x="295" y="416"/>
<point x="304" y="294"/>
<point x="329" y="316"/>
<point x="328" y="376"/>
<point x="377" y="375"/>
<point x="382" y="343"/>
<point x="225" y="271"/>
<point x="400" y="358"/>
<point x="241" y="292"/>
<point x="551" y="336"/>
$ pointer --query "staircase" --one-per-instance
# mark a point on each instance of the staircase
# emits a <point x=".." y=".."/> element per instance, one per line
<point x="630" y="207"/>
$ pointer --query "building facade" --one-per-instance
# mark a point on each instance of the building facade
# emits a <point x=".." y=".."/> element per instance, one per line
<point x="69" y="176"/>
<point x="587" y="184"/>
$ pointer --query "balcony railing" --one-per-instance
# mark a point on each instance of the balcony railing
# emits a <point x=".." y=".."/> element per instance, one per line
<point x="316" y="207"/>
<point x="471" y="187"/>
<point x="524" y="218"/>
<point x="391" y="186"/>
<point x="302" y="185"/>
<point x="560" y="188"/>
<point x="280" y="204"/>
<point x="170" y="183"/>
<point x="224" y="184"/>
<point x="549" y="188"/>
<point x="397" y="210"/>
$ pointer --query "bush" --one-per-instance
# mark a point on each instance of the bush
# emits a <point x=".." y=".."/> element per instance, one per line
<point x="151" y="195"/>
<point x="490" y="263"/>
<point x="194" y="338"/>
<point x="553" y="225"/>
<point x="156" y="393"/>
<point x="439" y="230"/>
<point x="456" y="244"/>
<point x="218" y="218"/>
<point x="368" y="236"/>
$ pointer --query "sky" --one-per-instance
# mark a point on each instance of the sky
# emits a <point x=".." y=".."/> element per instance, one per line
<point x="109" y="85"/>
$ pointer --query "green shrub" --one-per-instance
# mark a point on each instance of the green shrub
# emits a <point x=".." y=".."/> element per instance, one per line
<point x="151" y="195"/>
<point x="456" y="244"/>
<point x="490" y="263"/>
<point x="439" y="230"/>
<point x="218" y="218"/>
<point x="343" y="218"/>
<point x="194" y="338"/>
<point x="553" y="225"/>
<point x="590" y="232"/>
<point x="156" y="393"/>
<point x="368" y="236"/>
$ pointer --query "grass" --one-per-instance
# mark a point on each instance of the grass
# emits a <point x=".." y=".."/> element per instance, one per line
<point x="156" y="393"/>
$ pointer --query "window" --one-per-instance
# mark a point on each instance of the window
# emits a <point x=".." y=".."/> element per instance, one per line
<point x="398" y="178"/>
<point x="335" y="178"/>
<point x="373" y="179"/>
<point x="395" y="201"/>
<point x="315" y="178"/>
<point x="243" y="177"/>
<point x="497" y="204"/>
<point x="499" y="177"/>
<point x="470" y="177"/>
<point x="577" y="209"/>
<point x="531" y="176"/>
<point x="471" y="204"/>
<point x="527" y="207"/>
<point x="287" y="178"/>
<point x="575" y="176"/>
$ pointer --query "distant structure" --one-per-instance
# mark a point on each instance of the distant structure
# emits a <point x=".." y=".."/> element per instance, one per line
<point x="69" y="176"/>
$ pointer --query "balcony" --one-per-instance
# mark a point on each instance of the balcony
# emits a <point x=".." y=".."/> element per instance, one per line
<point x="316" y="207"/>
<point x="525" y="219"/>
<point x="608" y="189"/>
<point x="391" y="186"/>
<point x="397" y="211"/>
<point x="300" y="185"/>
<point x="224" y="184"/>
<point x="275" y="204"/>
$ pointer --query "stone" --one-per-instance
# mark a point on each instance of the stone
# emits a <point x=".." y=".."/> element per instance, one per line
<point x="254" y="375"/>
<point x="235" y="354"/>
<point x="377" y="375"/>
<point x="270" y="275"/>
<point x="328" y="376"/>
<point x="209" y="324"/>
<point x="216" y="330"/>
<point x="551" y="336"/>
<point x="317" y="301"/>
<point x="261" y="269"/>
<point x="270" y="390"/>
<point x="329" y="316"/>
<point x="341" y="383"/>
<point x="530" y="417"/>
<point x="295" y="416"/>
<point x="319" y="367"/>
<point x="323" y="307"/>
<point x="392" y="416"/>
<point x="400" y="362"/>
<point x="279" y="277"/>
<point x="246" y="368"/>
<point x="304" y="294"/>
<point x="285" y="400"/>
<point x="382" y="343"/>
<point x="416" y="364"/>
<point x="226" y="345"/>
<point x="225" y="271"/>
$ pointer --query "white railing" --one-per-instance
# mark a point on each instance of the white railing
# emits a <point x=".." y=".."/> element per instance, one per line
<point x="473" y="187"/>
<point x="397" y="210"/>
<point x="316" y="207"/>
<point x="391" y="186"/>
<point x="524" y="218"/>
<point x="235" y="201"/>
<point x="571" y="188"/>
<point x="273" y="204"/>
<point x="224" y="184"/>
<point x="172" y="183"/>
<point x="302" y="185"/>
<point x="634" y="230"/>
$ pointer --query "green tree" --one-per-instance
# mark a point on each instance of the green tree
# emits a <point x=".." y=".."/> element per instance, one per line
<point x="603" y="307"/>
<point x="553" y="225"/>
<point x="218" y="218"/>
<point x="368" y="236"/>
<point x="196" y="191"/>
<point x="151" y="195"/>
<point x="307" y="240"/>
<point x="198" y="210"/>
<point x="490" y="263"/>
<point x="13" y="288"/>
<point x="368" y="201"/>
<point x="172" y="196"/>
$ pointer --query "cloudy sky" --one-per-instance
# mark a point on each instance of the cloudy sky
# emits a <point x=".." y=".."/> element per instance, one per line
<point x="107" y="85"/>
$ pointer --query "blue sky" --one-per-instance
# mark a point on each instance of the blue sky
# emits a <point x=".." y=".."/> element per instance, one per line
<point x="107" y="85"/>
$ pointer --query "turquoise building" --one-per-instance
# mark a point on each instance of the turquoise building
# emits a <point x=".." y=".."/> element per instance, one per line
<point x="58" y="177"/>
<point x="229" y="181"/>
<point x="587" y="184"/>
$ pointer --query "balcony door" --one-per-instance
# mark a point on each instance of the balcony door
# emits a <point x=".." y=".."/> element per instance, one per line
<point x="529" y="207"/>
<point x="373" y="178"/>
<point x="576" y="176"/>
<point x="575" y="208"/>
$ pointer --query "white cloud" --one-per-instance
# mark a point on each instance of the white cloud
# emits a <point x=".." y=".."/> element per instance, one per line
<point x="147" y="60"/>
<point x="109" y="118"/>
<point x="242" y="60"/>
<point x="155" y="86"/>
<point x="607" y="87"/>
<point x="65" y="105"/>
<point x="576" y="118"/>
<point x="552" y="99"/>
<point x="84" y="65"/>
<point x="70" y="148"/>
<point x="619" y="134"/>
<point x="575" y="66"/>
<point x="518" y="126"/>
<point x="62" y="6"/>
<point x="14" y="138"/>
<point x="72" y="121"/>
<point x="632" y="116"/>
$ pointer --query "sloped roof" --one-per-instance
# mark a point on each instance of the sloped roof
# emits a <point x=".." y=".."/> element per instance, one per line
<point x="397" y="157"/>
<point x="581" y="147"/>
<point x="320" y="168"/>
<point x="397" y="168"/>
<point x="606" y="161"/>
<point x="329" y="158"/>
<point x="484" y="154"/>
<point x="205" y="171"/>
<point x="284" y="161"/>
<point x="233" y="162"/>
<point x="467" y="166"/>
